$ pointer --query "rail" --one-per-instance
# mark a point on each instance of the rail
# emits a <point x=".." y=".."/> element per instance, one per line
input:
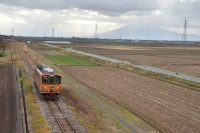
<point x="60" y="118"/>
<point x="25" y="60"/>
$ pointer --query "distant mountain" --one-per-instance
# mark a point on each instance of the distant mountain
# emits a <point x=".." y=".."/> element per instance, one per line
<point x="146" y="33"/>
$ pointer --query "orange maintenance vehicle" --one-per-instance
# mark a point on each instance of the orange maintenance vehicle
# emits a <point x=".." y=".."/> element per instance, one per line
<point x="47" y="81"/>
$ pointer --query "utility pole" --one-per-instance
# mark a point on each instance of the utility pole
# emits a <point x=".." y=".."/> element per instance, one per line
<point x="53" y="33"/>
<point x="184" y="37"/>
<point x="96" y="32"/>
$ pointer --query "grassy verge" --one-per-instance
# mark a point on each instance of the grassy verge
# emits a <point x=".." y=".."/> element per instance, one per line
<point x="89" y="117"/>
<point x="1" y="53"/>
<point x="4" y="59"/>
<point x="68" y="60"/>
<point x="37" y="120"/>
<point x="170" y="79"/>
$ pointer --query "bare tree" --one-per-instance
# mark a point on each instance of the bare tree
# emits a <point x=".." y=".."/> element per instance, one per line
<point x="3" y="46"/>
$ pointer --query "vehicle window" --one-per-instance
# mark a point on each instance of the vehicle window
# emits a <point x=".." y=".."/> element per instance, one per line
<point x="45" y="80"/>
<point x="58" y="79"/>
<point x="51" y="79"/>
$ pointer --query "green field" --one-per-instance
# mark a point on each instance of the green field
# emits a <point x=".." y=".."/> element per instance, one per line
<point x="68" y="60"/>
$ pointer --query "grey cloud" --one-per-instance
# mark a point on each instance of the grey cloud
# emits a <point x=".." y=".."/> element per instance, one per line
<point x="185" y="8"/>
<point x="109" y="7"/>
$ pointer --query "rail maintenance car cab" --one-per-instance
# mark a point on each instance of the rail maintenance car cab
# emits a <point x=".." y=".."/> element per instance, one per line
<point x="48" y="82"/>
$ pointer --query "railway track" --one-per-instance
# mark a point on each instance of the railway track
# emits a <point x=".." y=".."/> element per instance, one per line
<point x="25" y="60"/>
<point x="60" y="118"/>
<point x="58" y="115"/>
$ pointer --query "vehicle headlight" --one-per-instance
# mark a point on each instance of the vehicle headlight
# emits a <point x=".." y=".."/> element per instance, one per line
<point x="44" y="87"/>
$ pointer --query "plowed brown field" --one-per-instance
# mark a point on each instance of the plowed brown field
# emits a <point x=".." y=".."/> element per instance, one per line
<point x="168" y="107"/>
<point x="158" y="60"/>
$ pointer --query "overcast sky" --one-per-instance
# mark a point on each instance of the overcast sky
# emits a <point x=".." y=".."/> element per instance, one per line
<point x="79" y="17"/>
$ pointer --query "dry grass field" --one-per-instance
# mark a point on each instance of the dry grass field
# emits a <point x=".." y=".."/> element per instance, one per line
<point x="168" y="107"/>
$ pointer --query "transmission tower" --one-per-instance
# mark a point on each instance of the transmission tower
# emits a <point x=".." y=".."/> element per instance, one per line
<point x="184" y="37"/>
<point x="53" y="32"/>
<point x="96" y="32"/>
<point x="12" y="32"/>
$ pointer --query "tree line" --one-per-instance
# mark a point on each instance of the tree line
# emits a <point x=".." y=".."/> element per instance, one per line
<point x="3" y="46"/>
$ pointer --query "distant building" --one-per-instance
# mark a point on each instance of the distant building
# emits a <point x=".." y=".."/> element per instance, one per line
<point x="57" y="42"/>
